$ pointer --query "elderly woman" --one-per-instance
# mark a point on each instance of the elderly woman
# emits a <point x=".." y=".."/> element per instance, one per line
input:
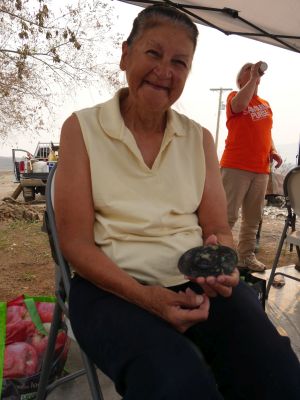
<point x="148" y="189"/>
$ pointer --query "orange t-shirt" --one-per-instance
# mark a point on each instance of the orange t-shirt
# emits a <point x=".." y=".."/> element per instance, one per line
<point x="248" y="143"/>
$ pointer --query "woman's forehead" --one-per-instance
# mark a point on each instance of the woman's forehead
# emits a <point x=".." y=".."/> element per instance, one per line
<point x="167" y="34"/>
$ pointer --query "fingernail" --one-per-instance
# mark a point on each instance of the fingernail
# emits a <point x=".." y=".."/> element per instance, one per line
<point x="199" y="299"/>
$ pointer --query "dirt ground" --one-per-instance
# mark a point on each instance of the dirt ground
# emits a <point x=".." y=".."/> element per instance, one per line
<point x="25" y="259"/>
<point x="26" y="265"/>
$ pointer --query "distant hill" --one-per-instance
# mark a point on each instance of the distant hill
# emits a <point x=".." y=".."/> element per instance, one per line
<point x="6" y="164"/>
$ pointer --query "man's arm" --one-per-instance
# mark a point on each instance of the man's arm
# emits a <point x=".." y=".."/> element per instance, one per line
<point x="242" y="99"/>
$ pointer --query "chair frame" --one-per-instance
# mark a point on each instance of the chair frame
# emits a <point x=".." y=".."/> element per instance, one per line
<point x="62" y="289"/>
<point x="290" y="223"/>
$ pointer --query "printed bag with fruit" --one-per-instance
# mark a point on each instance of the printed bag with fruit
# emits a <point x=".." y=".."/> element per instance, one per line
<point x="24" y="328"/>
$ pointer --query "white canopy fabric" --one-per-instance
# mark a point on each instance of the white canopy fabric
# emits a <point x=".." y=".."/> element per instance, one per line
<point x="275" y="22"/>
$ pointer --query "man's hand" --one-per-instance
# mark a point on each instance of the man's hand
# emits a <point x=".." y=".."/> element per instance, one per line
<point x="255" y="72"/>
<point x="274" y="156"/>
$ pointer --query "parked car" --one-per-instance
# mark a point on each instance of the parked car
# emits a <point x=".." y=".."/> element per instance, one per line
<point x="32" y="170"/>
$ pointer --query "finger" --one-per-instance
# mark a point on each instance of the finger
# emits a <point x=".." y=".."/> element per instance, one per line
<point x="211" y="280"/>
<point x="223" y="290"/>
<point x="209" y="290"/>
<point x="205" y="285"/>
<point x="189" y="292"/>
<point x="222" y="285"/>
<point x="229" y="280"/>
<point x="190" y="299"/>
<point x="195" y="314"/>
<point x="198" y="279"/>
<point x="194" y="297"/>
<point x="191" y="317"/>
<point x="211" y="240"/>
<point x="213" y="288"/>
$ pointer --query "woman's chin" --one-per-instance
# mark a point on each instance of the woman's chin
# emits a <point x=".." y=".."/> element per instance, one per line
<point x="157" y="105"/>
<point x="156" y="99"/>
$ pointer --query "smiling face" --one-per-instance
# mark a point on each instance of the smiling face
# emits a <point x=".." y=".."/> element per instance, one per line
<point x="157" y="65"/>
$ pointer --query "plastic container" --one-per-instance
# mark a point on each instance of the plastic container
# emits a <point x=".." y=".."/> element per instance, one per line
<point x="51" y="164"/>
<point x="40" y="166"/>
<point x="263" y="67"/>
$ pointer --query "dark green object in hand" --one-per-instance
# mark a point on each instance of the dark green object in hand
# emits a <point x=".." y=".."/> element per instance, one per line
<point x="210" y="260"/>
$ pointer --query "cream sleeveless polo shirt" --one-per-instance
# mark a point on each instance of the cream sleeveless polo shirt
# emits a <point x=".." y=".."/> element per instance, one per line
<point x="144" y="218"/>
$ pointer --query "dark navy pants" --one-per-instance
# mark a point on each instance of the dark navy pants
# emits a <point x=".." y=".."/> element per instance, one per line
<point x="236" y="354"/>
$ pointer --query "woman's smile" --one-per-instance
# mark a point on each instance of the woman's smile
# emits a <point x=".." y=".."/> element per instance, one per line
<point x="157" y="86"/>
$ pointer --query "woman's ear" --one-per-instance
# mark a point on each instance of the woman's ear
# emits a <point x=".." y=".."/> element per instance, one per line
<point x="124" y="56"/>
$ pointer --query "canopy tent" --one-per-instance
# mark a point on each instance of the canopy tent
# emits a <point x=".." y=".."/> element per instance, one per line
<point x="270" y="21"/>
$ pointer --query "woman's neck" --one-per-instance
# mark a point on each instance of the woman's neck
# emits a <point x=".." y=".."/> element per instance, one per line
<point x="141" y="121"/>
<point x="147" y="129"/>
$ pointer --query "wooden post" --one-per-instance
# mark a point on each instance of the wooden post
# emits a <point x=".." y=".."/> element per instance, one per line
<point x="17" y="191"/>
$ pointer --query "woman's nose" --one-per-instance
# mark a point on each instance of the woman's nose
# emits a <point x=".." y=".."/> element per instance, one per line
<point x="163" y="70"/>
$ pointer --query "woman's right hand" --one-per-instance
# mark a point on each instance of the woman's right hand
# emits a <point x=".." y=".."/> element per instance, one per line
<point x="255" y="71"/>
<point x="182" y="310"/>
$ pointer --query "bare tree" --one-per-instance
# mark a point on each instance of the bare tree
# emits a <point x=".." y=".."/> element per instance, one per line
<point x="45" y="52"/>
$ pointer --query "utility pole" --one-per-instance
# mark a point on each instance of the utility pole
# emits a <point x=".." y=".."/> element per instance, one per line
<point x="220" y="90"/>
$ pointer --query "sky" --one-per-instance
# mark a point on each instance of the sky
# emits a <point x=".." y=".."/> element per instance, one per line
<point x="217" y="60"/>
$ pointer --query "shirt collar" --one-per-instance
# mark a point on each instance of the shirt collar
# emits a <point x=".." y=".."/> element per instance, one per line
<point x="113" y="124"/>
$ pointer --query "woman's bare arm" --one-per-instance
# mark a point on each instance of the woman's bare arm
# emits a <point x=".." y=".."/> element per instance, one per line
<point x="212" y="216"/>
<point x="74" y="211"/>
<point x="212" y="212"/>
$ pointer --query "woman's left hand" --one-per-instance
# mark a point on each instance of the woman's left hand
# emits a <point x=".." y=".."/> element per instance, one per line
<point x="218" y="285"/>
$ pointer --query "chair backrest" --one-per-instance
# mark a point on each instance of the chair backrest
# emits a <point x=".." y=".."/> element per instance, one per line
<point x="63" y="266"/>
<point x="291" y="187"/>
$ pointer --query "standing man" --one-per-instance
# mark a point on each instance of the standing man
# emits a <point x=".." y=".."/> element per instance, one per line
<point x="245" y="163"/>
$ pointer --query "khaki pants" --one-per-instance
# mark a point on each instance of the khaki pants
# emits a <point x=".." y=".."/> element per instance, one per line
<point x="247" y="190"/>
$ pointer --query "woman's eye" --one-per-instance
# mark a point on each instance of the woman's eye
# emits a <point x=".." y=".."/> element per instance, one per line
<point x="179" y="62"/>
<point x="153" y="53"/>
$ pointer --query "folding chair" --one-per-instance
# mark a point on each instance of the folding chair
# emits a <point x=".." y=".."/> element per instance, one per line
<point x="63" y="277"/>
<point x="291" y="188"/>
